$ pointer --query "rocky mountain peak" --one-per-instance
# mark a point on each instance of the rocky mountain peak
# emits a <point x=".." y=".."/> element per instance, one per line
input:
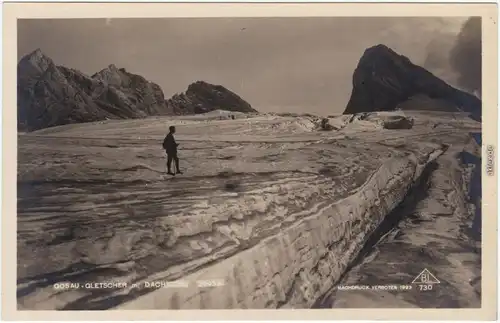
<point x="384" y="79"/>
<point x="35" y="62"/>
<point x="202" y="97"/>
<point x="382" y="58"/>
<point x="110" y="75"/>
<point x="203" y="86"/>
<point x="36" y="55"/>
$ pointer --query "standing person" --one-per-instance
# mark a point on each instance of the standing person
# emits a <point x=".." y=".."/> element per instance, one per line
<point x="170" y="147"/>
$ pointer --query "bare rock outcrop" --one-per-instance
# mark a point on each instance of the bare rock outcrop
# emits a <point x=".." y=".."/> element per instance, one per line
<point x="391" y="121"/>
<point x="325" y="125"/>
<point x="202" y="97"/>
<point x="385" y="80"/>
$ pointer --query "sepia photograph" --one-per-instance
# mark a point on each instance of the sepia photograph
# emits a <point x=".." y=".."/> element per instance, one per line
<point x="247" y="163"/>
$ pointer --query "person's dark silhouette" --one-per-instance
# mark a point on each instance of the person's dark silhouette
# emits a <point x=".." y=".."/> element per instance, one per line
<point x="170" y="147"/>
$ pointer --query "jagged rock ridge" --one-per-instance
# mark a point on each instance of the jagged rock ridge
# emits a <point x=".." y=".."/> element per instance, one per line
<point x="47" y="97"/>
<point x="202" y="97"/>
<point x="51" y="95"/>
<point x="386" y="81"/>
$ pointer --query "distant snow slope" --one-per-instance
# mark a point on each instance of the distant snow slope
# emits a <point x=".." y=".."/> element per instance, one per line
<point x="270" y="205"/>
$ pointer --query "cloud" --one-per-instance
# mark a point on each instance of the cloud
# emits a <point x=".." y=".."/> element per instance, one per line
<point x="465" y="56"/>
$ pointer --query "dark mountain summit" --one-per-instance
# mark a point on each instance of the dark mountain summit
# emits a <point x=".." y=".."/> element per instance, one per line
<point x="202" y="97"/>
<point x="386" y="81"/>
<point x="51" y="95"/>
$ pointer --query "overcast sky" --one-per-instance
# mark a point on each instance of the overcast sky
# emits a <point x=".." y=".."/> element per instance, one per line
<point x="276" y="64"/>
